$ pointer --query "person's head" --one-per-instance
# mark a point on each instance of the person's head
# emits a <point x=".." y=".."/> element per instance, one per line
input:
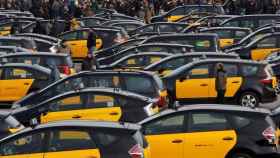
<point x="220" y="67"/>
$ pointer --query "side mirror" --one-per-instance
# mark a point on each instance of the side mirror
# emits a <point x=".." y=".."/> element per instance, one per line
<point x="33" y="122"/>
<point x="182" y="79"/>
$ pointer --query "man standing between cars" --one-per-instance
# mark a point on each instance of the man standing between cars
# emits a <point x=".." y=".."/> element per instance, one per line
<point x="89" y="62"/>
<point x="220" y="82"/>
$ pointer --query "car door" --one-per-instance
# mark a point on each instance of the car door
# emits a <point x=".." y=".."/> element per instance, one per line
<point x="209" y="134"/>
<point x="73" y="42"/>
<point x="29" y="145"/>
<point x="234" y="81"/>
<point x="262" y="48"/>
<point x="75" y="142"/>
<point x="83" y="107"/>
<point x="176" y="14"/>
<point x="194" y="84"/>
<point x="16" y="83"/>
<point x="166" y="136"/>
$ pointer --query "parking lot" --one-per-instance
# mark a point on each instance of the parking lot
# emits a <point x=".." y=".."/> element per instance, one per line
<point x="106" y="79"/>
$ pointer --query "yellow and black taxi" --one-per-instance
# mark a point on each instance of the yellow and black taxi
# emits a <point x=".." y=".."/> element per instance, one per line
<point x="17" y="80"/>
<point x="159" y="27"/>
<point x="203" y="42"/>
<point x="260" y="48"/>
<point x="251" y="21"/>
<point x="77" y="40"/>
<point x="181" y="11"/>
<point x="62" y="61"/>
<point x="248" y="82"/>
<point x="148" y="84"/>
<point x="117" y="48"/>
<point x="77" y="139"/>
<point x="9" y="124"/>
<point x="212" y="131"/>
<point x="147" y="47"/>
<point x="135" y="61"/>
<point x="253" y="36"/>
<point x="168" y="64"/>
<point x="228" y="35"/>
<point x="91" y="103"/>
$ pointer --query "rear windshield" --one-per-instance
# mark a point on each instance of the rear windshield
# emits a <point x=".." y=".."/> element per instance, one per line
<point x="249" y="70"/>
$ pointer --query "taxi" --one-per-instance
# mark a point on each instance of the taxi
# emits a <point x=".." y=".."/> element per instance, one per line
<point x="17" y="80"/>
<point x="105" y="104"/>
<point x="249" y="83"/>
<point x="212" y="131"/>
<point x="168" y="64"/>
<point x="77" y="139"/>
<point x="228" y="35"/>
<point x="135" y="61"/>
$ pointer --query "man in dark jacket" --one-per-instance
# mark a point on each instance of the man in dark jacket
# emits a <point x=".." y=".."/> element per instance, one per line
<point x="220" y="82"/>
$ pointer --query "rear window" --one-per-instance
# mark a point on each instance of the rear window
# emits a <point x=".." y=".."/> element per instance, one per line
<point x="240" y="121"/>
<point x="140" y="85"/>
<point x="249" y="70"/>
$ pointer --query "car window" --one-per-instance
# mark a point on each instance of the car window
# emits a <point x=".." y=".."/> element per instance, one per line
<point x="153" y="49"/>
<point x="70" y="36"/>
<point x="153" y="59"/>
<point x="68" y="103"/>
<point x="231" y="70"/>
<point x="208" y="121"/>
<point x="146" y="29"/>
<point x="240" y="34"/>
<point x="270" y="42"/>
<point x="17" y="73"/>
<point x="240" y="121"/>
<point x="28" y="144"/>
<point x="173" y="64"/>
<point x="68" y="139"/>
<point x="101" y="101"/>
<point x="249" y="70"/>
<point x="201" y="71"/>
<point x="167" y="28"/>
<point x="166" y="125"/>
<point x="248" y="23"/>
<point x="144" y="85"/>
<point x="135" y="61"/>
<point x="232" y="24"/>
<point x="178" y="11"/>
<point x="104" y="81"/>
<point x="223" y="34"/>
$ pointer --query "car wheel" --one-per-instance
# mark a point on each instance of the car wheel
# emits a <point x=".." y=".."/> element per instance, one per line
<point x="240" y="155"/>
<point x="249" y="99"/>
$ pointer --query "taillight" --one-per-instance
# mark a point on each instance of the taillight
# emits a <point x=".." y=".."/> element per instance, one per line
<point x="65" y="69"/>
<point x="136" y="151"/>
<point x="161" y="102"/>
<point x="269" y="134"/>
<point x="266" y="81"/>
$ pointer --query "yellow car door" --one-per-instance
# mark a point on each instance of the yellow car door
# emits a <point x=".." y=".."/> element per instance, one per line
<point x="226" y="42"/>
<point x="209" y="136"/>
<point x="71" y="143"/>
<point x="174" y="18"/>
<point x="166" y="136"/>
<point x="96" y="107"/>
<point x="234" y="82"/>
<point x="264" y="47"/>
<point x="195" y="85"/>
<point x="15" y="84"/>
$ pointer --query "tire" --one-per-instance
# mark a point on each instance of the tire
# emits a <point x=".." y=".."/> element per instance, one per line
<point x="249" y="99"/>
<point x="240" y="155"/>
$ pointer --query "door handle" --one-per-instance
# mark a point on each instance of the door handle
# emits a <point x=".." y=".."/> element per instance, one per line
<point x="235" y="82"/>
<point x="26" y="84"/>
<point x="73" y="44"/>
<point x="114" y="113"/>
<point x="177" y="141"/>
<point x="76" y="117"/>
<point x="227" y="138"/>
<point x="204" y="85"/>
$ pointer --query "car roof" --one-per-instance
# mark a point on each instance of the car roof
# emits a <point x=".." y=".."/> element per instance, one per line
<point x="79" y="123"/>
<point x="217" y="107"/>
<point x="191" y="54"/>
<point x="40" y="36"/>
<point x="34" y="54"/>
<point x="37" y="67"/>
<point x="226" y="28"/>
<point x="241" y="61"/>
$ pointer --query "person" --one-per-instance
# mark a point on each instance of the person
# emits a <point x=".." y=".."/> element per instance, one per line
<point x="90" y="63"/>
<point x="220" y="82"/>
